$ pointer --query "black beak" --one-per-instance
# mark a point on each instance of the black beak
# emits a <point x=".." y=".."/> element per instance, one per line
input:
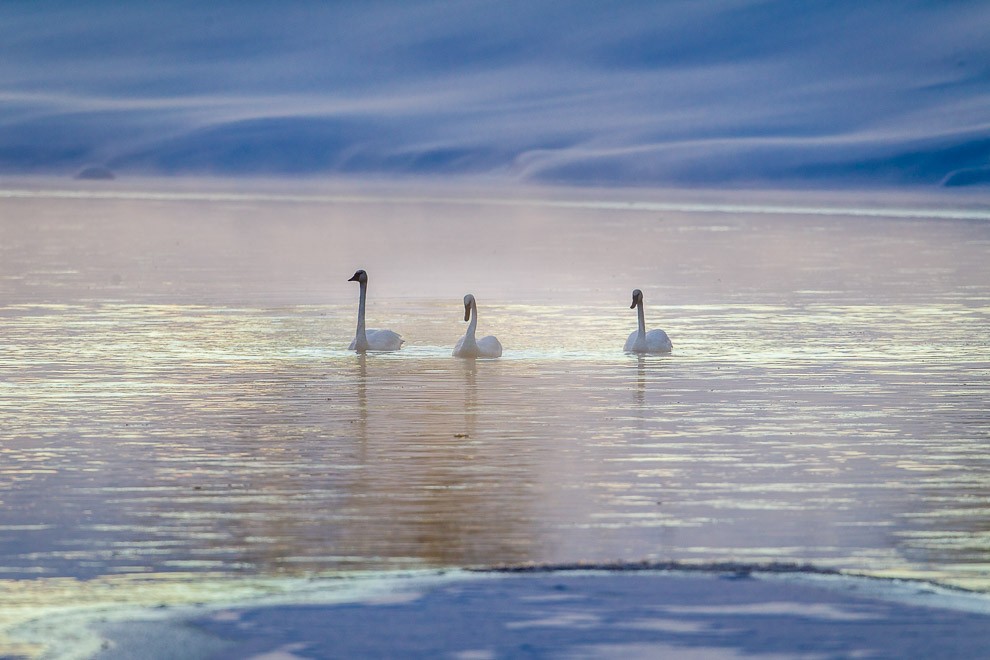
<point x="353" y="278"/>
<point x="633" y="305"/>
<point x="467" y="313"/>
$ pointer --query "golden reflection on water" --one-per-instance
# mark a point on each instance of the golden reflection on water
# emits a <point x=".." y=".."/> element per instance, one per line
<point x="198" y="414"/>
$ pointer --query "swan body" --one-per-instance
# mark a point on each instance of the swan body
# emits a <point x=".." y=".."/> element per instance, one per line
<point x="469" y="347"/>
<point x="371" y="340"/>
<point x="379" y="340"/>
<point x="641" y="341"/>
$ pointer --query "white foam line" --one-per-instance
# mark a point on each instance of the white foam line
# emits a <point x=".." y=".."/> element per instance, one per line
<point x="757" y="209"/>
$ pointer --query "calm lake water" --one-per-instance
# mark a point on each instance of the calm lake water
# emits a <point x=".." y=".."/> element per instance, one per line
<point x="177" y="407"/>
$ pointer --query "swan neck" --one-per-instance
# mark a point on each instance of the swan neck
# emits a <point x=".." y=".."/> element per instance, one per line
<point x="642" y="319"/>
<point x="361" y="337"/>
<point x="473" y="325"/>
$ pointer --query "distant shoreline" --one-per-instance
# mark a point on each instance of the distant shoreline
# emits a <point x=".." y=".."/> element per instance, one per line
<point x="886" y="203"/>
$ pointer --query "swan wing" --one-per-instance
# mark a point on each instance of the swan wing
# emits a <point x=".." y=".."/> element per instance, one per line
<point x="631" y="342"/>
<point x="384" y="340"/>
<point x="489" y="347"/>
<point x="657" y="341"/>
<point x="486" y="347"/>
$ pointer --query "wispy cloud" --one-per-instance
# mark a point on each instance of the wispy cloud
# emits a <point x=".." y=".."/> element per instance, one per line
<point x="636" y="92"/>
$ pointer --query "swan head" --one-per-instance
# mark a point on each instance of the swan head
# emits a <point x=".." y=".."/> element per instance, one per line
<point x="359" y="276"/>
<point x="468" y="300"/>
<point x="637" y="298"/>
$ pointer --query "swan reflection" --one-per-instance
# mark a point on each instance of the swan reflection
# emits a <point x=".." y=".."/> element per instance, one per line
<point x="470" y="368"/>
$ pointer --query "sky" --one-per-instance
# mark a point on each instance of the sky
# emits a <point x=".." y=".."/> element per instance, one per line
<point x="652" y="93"/>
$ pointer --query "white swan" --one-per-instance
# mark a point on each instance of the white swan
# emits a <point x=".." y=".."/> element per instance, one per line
<point x="371" y="340"/>
<point x="469" y="347"/>
<point x="641" y="341"/>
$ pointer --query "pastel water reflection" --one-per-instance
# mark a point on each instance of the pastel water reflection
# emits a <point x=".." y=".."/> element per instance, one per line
<point x="176" y="399"/>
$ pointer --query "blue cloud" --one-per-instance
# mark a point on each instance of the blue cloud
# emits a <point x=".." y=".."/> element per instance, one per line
<point x="653" y="93"/>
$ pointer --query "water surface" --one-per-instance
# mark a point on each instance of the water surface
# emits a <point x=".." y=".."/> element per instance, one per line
<point x="177" y="405"/>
